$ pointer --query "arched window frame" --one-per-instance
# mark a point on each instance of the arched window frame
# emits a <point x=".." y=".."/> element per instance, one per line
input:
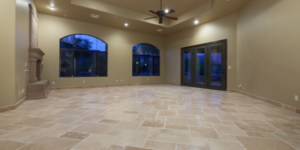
<point x="100" y="70"/>
<point x="139" y="58"/>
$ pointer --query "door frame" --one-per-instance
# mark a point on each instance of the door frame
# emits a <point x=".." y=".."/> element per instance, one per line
<point x="193" y="46"/>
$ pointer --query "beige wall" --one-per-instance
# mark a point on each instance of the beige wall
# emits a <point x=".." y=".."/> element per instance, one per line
<point x="7" y="57"/>
<point x="268" y="49"/>
<point x="120" y="43"/>
<point x="22" y="47"/>
<point x="224" y="28"/>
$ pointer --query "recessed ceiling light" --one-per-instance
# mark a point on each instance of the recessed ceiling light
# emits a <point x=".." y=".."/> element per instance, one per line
<point x="167" y="10"/>
<point x="196" y="21"/>
<point x="159" y="30"/>
<point x="52" y="7"/>
<point x="94" y="16"/>
<point x="115" y="16"/>
<point x="126" y="24"/>
<point x="65" y="15"/>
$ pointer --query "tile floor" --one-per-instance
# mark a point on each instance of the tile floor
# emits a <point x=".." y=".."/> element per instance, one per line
<point x="161" y="117"/>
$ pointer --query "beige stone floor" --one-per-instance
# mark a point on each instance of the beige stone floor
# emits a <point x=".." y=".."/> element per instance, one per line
<point x="147" y="117"/>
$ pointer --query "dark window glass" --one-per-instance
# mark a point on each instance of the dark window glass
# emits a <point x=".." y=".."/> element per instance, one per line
<point x="146" y="66"/>
<point x="66" y="63"/>
<point x="156" y="66"/>
<point x="145" y="60"/>
<point x="135" y="65"/>
<point x="102" y="64"/>
<point x="84" y="64"/>
<point x="82" y="56"/>
<point x="67" y="42"/>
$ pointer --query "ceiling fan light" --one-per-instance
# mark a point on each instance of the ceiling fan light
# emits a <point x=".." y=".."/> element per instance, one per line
<point x="167" y="11"/>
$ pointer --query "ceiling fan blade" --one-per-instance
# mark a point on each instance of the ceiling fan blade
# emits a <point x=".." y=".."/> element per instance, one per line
<point x="153" y="12"/>
<point x="160" y="20"/>
<point x="173" y="18"/>
<point x="151" y="18"/>
<point x="170" y="11"/>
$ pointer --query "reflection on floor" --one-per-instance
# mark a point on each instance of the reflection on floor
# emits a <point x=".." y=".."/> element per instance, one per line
<point x="148" y="117"/>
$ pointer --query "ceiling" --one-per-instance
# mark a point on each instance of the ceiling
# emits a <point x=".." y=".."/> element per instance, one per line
<point x="115" y="13"/>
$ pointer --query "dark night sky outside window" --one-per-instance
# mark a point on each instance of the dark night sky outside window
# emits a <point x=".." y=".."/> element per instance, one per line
<point x="145" y="60"/>
<point x="82" y="56"/>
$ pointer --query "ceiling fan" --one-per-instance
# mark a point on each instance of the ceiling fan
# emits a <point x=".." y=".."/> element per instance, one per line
<point x="162" y="14"/>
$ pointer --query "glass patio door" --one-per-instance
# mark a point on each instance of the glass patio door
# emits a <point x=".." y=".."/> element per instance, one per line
<point x="204" y="66"/>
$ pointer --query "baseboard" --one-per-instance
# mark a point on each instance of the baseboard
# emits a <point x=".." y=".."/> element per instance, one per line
<point x="99" y="86"/>
<point x="269" y="101"/>
<point x="12" y="107"/>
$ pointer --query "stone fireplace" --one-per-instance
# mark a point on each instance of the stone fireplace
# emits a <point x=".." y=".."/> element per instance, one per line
<point x="36" y="88"/>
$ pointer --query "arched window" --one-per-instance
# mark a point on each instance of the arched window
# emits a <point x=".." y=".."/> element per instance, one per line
<point x="145" y="60"/>
<point x="82" y="56"/>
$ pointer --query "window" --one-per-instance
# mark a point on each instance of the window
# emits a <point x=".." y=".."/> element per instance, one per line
<point x="82" y="56"/>
<point x="145" y="60"/>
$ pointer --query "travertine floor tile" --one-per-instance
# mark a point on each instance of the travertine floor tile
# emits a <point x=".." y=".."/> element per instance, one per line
<point x="21" y="133"/>
<point x="10" y="127"/>
<point x="116" y="147"/>
<point x="136" y="148"/>
<point x="121" y="116"/>
<point x="225" y="145"/>
<point x="169" y="135"/>
<point x="6" y="121"/>
<point x="11" y="145"/>
<point x="66" y="120"/>
<point x="56" y="130"/>
<point x="131" y="138"/>
<point x="182" y="121"/>
<point x="201" y="132"/>
<point x="128" y="125"/>
<point x="167" y="113"/>
<point x="110" y="121"/>
<point x="97" y="128"/>
<point x="51" y="143"/>
<point x="75" y="135"/>
<point x="153" y="123"/>
<point x="229" y="129"/>
<point x="160" y="145"/>
<point x="154" y="116"/>
<point x="34" y="121"/>
<point x="207" y="119"/>
<point x="96" y="142"/>
<point x="178" y="127"/>
<point x="251" y="143"/>
<point x="191" y="147"/>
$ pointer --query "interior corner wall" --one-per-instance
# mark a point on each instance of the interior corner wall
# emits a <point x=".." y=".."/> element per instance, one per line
<point x="22" y="48"/>
<point x="268" y="49"/>
<point x="7" y="57"/>
<point x="120" y="43"/>
<point x="223" y="28"/>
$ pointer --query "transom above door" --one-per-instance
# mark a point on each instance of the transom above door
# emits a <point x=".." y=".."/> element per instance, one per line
<point x="205" y="65"/>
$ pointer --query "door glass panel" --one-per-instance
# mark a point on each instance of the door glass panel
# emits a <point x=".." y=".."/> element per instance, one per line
<point x="216" y="65"/>
<point x="187" y="77"/>
<point x="200" y="66"/>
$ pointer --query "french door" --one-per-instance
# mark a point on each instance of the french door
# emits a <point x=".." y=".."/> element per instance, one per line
<point x="204" y="65"/>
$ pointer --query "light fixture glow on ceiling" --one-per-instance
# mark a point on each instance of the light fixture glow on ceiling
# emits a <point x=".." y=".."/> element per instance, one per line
<point x="126" y="24"/>
<point x="52" y="7"/>
<point x="94" y="16"/>
<point x="196" y="21"/>
<point x="159" y="30"/>
<point x="167" y="10"/>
